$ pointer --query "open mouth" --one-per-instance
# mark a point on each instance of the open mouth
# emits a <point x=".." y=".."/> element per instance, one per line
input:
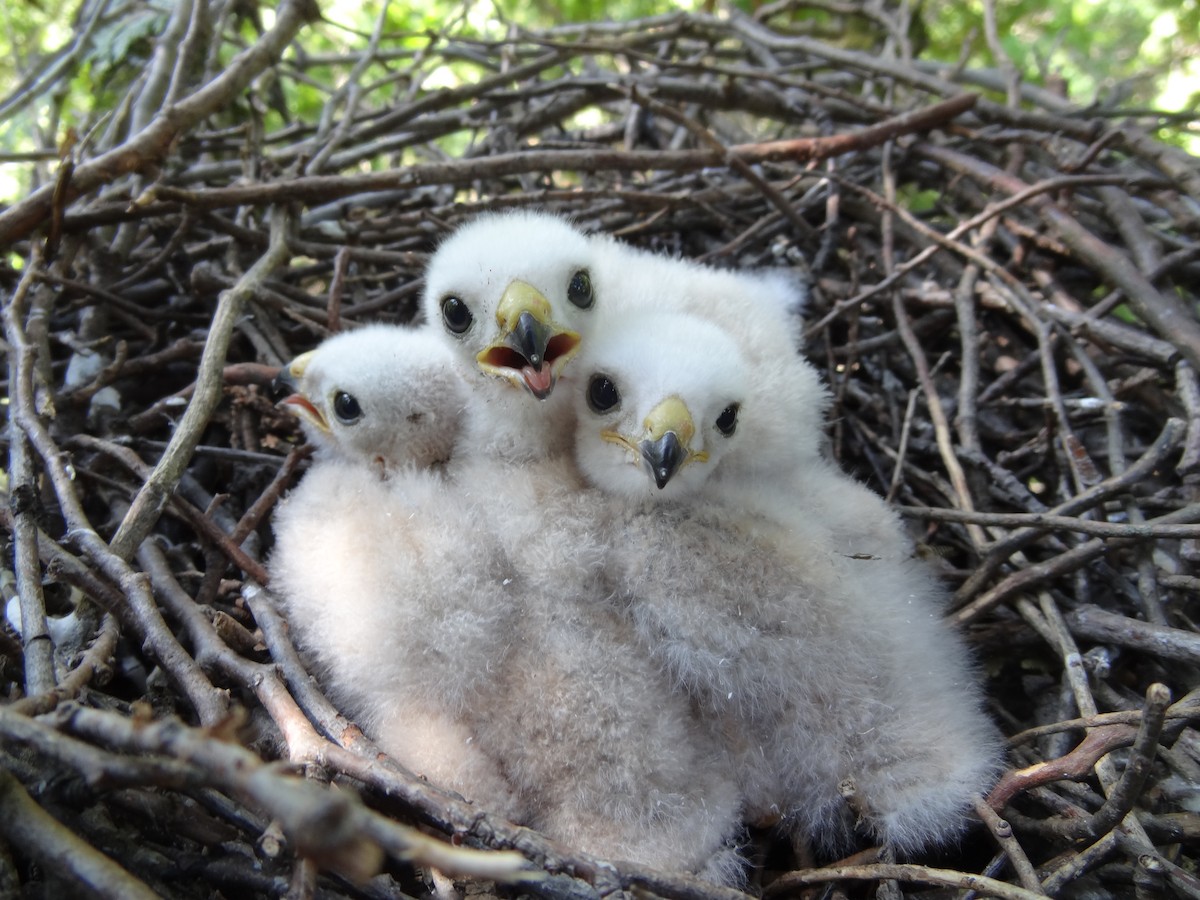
<point x="303" y="409"/>
<point x="501" y="359"/>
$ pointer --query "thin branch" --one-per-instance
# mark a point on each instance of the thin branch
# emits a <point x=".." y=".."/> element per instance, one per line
<point x="29" y="828"/>
<point x="153" y="496"/>
<point x="794" y="881"/>
<point x="149" y="146"/>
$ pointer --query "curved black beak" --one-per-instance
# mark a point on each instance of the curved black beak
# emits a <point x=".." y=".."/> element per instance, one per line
<point x="664" y="457"/>
<point x="283" y="384"/>
<point x="529" y="338"/>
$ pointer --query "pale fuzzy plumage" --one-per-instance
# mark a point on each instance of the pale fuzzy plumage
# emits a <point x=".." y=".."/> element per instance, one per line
<point x="630" y="352"/>
<point x="815" y="667"/>
<point x="388" y="610"/>
<point x="759" y="311"/>
<point x="609" y="757"/>
<point x="478" y="264"/>
<point x="411" y="377"/>
<point x="446" y="612"/>
<point x="363" y="589"/>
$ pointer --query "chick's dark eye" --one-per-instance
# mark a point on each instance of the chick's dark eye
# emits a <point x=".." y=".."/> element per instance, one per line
<point x="727" y="420"/>
<point x="602" y="394"/>
<point x="579" y="291"/>
<point x="456" y="314"/>
<point x="346" y="408"/>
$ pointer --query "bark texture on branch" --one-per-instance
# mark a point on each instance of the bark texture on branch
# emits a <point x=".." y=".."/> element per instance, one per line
<point x="1004" y="303"/>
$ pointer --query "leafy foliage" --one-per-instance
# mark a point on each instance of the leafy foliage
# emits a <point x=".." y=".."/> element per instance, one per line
<point x="1119" y="53"/>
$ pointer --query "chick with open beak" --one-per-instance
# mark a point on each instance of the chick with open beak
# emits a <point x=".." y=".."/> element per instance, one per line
<point x="530" y="348"/>
<point x="511" y="295"/>
<point x="288" y="384"/>
<point x="383" y="391"/>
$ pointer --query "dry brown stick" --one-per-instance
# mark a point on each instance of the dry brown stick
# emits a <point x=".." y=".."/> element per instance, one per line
<point x="1011" y="847"/>
<point x="234" y="373"/>
<point x="1187" y="386"/>
<point x="794" y="881"/>
<point x="1050" y="522"/>
<point x="1117" y="440"/>
<point x="36" y="833"/>
<point x="321" y="188"/>
<point x="1183" y="710"/>
<point x="266" y="500"/>
<point x="96" y="768"/>
<point x="1080" y="862"/>
<point x="1128" y="788"/>
<point x="1159" y="640"/>
<point x="937" y="413"/>
<point x="341" y="264"/>
<point x="37" y="647"/>
<point x="1167" y="314"/>
<point x="1166" y="441"/>
<point x="197" y="518"/>
<point x="1100" y="740"/>
<point x="338" y="119"/>
<point x="1077" y="678"/>
<point x="811" y="149"/>
<point x="329" y="826"/>
<point x="148" y="504"/>
<point x="149" y="146"/>
<point x="95" y="660"/>
<point x="731" y="159"/>
<point x="210" y="704"/>
<point x="1068" y="561"/>
<point x="948" y="241"/>
<point x="1119" y="335"/>
<point x="1080" y="464"/>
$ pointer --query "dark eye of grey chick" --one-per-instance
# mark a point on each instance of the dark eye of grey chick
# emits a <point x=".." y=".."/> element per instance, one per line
<point x="579" y="291"/>
<point x="727" y="420"/>
<point x="346" y="408"/>
<point x="456" y="314"/>
<point x="602" y="394"/>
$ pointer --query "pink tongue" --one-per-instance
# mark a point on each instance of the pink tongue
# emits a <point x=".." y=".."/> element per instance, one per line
<point x="539" y="382"/>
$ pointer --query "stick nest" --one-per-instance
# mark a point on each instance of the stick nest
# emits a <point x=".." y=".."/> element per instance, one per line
<point x="1004" y="303"/>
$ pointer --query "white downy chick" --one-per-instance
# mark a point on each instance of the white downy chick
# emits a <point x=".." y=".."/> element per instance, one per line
<point x="632" y="777"/>
<point x="457" y="617"/>
<point x="815" y="668"/>
<point x="760" y="312"/>
<point x="606" y="756"/>
<point x="407" y="379"/>
<point x="511" y="293"/>
<point x="368" y="557"/>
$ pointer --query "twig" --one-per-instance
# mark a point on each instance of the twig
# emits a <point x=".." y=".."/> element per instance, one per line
<point x="1051" y="522"/>
<point x="962" y="491"/>
<point x="793" y="881"/>
<point x="1088" y="858"/>
<point x="38" y="651"/>
<point x="1068" y="561"/>
<point x="1125" y="792"/>
<point x="150" y="145"/>
<point x="1159" y="640"/>
<point x="148" y="503"/>
<point x="1003" y="834"/>
<point x="29" y="828"/>
<point x="1169" y="317"/>
<point x="95" y="661"/>
<point x="1100" y="740"/>
<point x="326" y="826"/>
